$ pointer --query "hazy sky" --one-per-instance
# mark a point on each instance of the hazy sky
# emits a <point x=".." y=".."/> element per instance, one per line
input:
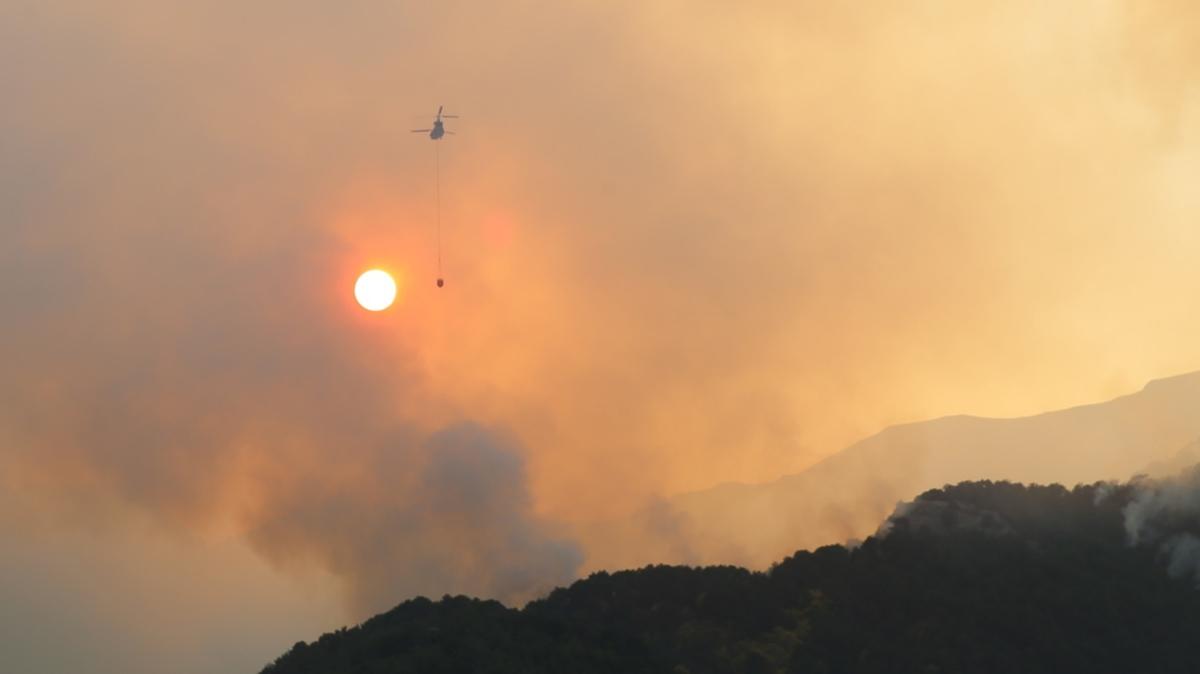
<point x="685" y="243"/>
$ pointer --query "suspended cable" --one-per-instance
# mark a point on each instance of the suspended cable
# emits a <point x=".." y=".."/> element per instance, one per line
<point x="437" y="154"/>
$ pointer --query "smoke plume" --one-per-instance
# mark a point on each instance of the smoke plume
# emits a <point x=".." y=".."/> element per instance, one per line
<point x="686" y="243"/>
<point x="1165" y="513"/>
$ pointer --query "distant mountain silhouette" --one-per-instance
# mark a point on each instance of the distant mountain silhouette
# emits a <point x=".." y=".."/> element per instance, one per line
<point x="981" y="577"/>
<point x="846" y="495"/>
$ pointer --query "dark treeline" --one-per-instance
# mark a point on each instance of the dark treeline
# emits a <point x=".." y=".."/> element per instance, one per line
<point x="978" y="577"/>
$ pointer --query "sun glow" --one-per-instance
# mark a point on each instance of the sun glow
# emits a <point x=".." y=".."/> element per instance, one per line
<point x="375" y="290"/>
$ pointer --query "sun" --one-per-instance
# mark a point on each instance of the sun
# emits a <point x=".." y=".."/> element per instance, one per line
<point x="375" y="290"/>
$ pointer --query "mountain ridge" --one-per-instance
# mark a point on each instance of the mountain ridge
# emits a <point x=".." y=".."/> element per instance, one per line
<point x="845" y="495"/>
<point x="1153" y="384"/>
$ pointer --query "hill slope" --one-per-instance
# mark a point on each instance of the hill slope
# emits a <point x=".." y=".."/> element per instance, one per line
<point x="979" y="577"/>
<point x="847" y="495"/>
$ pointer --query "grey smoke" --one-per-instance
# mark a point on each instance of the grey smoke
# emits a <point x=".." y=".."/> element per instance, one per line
<point x="459" y="522"/>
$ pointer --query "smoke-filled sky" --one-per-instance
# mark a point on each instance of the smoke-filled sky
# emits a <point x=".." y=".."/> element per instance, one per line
<point x="684" y="243"/>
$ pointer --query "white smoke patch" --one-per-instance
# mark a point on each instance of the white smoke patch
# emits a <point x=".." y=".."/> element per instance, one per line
<point x="1166" y="513"/>
<point x="1183" y="556"/>
<point x="1158" y="506"/>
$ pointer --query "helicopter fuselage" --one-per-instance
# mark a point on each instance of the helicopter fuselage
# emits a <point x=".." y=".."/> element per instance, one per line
<point x="437" y="131"/>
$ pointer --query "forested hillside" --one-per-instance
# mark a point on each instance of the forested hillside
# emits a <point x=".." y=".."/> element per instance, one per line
<point x="977" y="577"/>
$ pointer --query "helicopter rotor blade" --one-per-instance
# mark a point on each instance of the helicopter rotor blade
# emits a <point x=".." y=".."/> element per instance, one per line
<point x="449" y="116"/>
<point x="420" y="130"/>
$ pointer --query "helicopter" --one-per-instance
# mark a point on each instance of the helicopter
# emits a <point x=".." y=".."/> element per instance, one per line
<point x="438" y="129"/>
